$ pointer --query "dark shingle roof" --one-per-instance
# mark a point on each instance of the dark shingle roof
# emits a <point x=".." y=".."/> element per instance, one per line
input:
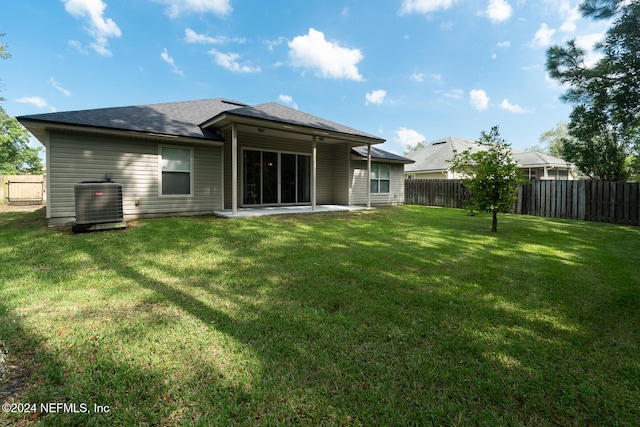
<point x="186" y="118"/>
<point x="172" y="118"/>
<point x="379" y="154"/>
<point x="279" y="113"/>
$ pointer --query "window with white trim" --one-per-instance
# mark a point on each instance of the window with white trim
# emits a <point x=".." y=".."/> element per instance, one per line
<point x="380" y="178"/>
<point x="176" y="174"/>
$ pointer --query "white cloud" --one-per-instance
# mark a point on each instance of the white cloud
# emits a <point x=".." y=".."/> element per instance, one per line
<point x="271" y="44"/>
<point x="193" y="37"/>
<point x="514" y="108"/>
<point x="424" y="6"/>
<point x="408" y="137"/>
<point x="544" y="36"/>
<point x="230" y="62"/>
<point x="498" y="10"/>
<point x="36" y="101"/>
<point x="504" y="45"/>
<point x="78" y="46"/>
<point x="329" y="59"/>
<point x="169" y="60"/>
<point x="587" y="43"/>
<point x="572" y="14"/>
<point x="99" y="28"/>
<point x="57" y="86"/>
<point x="452" y="94"/>
<point x="416" y="77"/>
<point x="479" y="99"/>
<point x="181" y="7"/>
<point x="376" y="97"/>
<point x="288" y="100"/>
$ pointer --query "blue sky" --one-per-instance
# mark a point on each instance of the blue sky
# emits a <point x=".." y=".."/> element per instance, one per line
<point x="403" y="70"/>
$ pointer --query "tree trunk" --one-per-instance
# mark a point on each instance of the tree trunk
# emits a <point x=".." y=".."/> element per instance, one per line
<point x="494" y="225"/>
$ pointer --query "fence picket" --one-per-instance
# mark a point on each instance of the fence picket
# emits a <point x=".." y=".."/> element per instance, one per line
<point x="614" y="202"/>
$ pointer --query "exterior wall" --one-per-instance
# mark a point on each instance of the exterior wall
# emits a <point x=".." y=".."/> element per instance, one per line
<point x="134" y="163"/>
<point x="360" y="185"/>
<point x="329" y="159"/>
<point x="552" y="173"/>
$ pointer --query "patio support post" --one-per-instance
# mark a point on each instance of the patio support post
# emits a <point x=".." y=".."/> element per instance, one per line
<point x="368" y="176"/>
<point x="314" y="150"/>
<point x="234" y="169"/>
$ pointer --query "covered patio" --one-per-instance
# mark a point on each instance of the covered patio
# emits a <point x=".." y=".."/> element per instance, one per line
<point x="286" y="210"/>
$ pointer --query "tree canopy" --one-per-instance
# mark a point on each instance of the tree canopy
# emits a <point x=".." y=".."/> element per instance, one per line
<point x="490" y="174"/>
<point x="413" y="148"/>
<point x="553" y="139"/>
<point x="605" y="121"/>
<point x="16" y="156"/>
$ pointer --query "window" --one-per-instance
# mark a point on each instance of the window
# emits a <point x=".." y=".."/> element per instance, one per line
<point x="176" y="171"/>
<point x="380" y="178"/>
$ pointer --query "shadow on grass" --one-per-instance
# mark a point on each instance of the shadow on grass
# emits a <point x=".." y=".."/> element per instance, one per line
<point x="396" y="316"/>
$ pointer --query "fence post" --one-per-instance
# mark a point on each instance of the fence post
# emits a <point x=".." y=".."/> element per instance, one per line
<point x="3" y="194"/>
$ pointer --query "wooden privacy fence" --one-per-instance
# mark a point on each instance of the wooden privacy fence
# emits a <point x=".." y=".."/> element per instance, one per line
<point x="446" y="193"/>
<point x="614" y="202"/>
<point x="22" y="189"/>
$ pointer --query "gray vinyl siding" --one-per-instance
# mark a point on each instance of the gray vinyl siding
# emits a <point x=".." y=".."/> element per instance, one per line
<point x="341" y="155"/>
<point x="324" y="174"/>
<point x="360" y="185"/>
<point x="134" y="164"/>
<point x="325" y="162"/>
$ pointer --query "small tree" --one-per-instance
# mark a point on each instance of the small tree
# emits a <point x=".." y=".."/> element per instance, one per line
<point x="490" y="174"/>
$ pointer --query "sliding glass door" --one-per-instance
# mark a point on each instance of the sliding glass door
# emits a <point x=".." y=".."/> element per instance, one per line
<point x="270" y="178"/>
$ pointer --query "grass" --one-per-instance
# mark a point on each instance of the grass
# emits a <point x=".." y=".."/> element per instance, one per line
<point x="400" y="316"/>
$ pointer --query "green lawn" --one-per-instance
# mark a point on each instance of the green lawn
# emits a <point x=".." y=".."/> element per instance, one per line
<point x="397" y="316"/>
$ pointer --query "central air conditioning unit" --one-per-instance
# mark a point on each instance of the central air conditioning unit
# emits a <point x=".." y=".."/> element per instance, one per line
<point x="98" y="206"/>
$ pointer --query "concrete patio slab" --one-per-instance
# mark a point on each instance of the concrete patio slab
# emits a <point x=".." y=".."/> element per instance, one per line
<point x="284" y="210"/>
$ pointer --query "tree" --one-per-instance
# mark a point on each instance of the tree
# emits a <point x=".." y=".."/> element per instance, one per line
<point x="554" y="139"/>
<point x="490" y="174"/>
<point x="413" y="148"/>
<point x="605" y="120"/>
<point x="599" y="149"/>
<point x="4" y="54"/>
<point x="16" y="157"/>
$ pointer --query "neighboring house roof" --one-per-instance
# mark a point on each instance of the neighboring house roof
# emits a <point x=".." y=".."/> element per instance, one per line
<point x="191" y="119"/>
<point x="536" y="159"/>
<point x="436" y="156"/>
<point x="378" y="154"/>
